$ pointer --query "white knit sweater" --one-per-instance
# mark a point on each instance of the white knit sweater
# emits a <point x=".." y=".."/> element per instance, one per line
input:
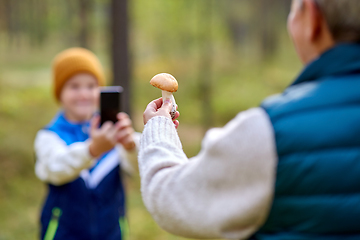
<point x="226" y="191"/>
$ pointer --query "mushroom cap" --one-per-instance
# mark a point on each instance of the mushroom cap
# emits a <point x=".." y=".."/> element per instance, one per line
<point x="165" y="82"/>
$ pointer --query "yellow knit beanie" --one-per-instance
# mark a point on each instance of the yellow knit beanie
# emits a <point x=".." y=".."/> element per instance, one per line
<point x="72" y="61"/>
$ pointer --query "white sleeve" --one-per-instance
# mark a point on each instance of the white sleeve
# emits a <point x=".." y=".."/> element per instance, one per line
<point x="58" y="163"/>
<point x="129" y="159"/>
<point x="226" y="191"/>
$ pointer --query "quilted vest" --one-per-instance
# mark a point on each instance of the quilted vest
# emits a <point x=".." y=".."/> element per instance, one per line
<point x="317" y="131"/>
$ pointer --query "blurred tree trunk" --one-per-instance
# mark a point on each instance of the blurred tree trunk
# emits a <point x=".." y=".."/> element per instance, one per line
<point x="12" y="23"/>
<point x="71" y="12"/>
<point x="42" y="27"/>
<point x="237" y="27"/>
<point x="205" y="61"/>
<point x="85" y="7"/>
<point x="238" y="31"/>
<point x="268" y="36"/>
<point x="2" y="14"/>
<point x="36" y="23"/>
<point x="120" y="50"/>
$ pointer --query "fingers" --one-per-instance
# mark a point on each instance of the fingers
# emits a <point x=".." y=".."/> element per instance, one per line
<point x="151" y="109"/>
<point x="167" y="105"/>
<point x="106" y="127"/>
<point x="158" y="103"/>
<point x="125" y="138"/>
<point x="121" y="115"/>
<point x="124" y="121"/>
<point x="102" y="139"/>
<point x="94" y="123"/>
<point x="154" y="105"/>
<point x="176" y="122"/>
<point x="164" y="110"/>
<point x="177" y="114"/>
<point x="123" y="129"/>
<point x="158" y="108"/>
<point x="124" y="134"/>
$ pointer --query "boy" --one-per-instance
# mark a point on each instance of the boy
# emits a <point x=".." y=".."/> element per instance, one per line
<point x="80" y="162"/>
<point x="289" y="169"/>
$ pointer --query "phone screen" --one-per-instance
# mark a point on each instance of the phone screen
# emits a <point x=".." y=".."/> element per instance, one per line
<point x="110" y="103"/>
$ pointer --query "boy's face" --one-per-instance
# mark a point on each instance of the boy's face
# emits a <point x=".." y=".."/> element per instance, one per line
<point x="80" y="97"/>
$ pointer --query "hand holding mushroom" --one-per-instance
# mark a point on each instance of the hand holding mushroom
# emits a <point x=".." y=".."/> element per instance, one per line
<point x="165" y="106"/>
<point x="168" y="84"/>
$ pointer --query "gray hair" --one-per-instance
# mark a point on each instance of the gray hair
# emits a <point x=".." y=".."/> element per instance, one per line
<point x="343" y="18"/>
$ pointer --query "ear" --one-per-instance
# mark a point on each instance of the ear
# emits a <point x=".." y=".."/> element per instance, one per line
<point x="314" y="20"/>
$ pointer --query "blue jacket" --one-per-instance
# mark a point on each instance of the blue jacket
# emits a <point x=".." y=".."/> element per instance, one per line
<point x="317" y="129"/>
<point x="83" y="209"/>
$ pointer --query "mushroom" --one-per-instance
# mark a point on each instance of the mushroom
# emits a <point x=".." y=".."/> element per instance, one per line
<point x="168" y="84"/>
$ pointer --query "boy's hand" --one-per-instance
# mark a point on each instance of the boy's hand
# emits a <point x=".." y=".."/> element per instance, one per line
<point x="102" y="139"/>
<point x="158" y="108"/>
<point x="124" y="136"/>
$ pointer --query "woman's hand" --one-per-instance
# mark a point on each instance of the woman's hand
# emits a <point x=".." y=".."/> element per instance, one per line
<point x="158" y="108"/>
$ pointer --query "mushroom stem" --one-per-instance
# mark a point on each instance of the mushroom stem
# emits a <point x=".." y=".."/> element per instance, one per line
<point x="165" y="95"/>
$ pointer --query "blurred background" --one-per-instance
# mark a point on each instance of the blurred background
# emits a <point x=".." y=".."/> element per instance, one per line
<point x="227" y="56"/>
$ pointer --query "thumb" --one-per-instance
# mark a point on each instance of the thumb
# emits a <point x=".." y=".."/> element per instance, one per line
<point x="94" y="123"/>
<point x="167" y="105"/>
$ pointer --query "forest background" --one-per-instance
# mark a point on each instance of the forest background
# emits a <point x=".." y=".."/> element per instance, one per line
<point x="227" y="55"/>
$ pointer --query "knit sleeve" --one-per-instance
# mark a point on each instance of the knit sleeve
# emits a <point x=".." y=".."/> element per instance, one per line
<point x="224" y="192"/>
<point x="57" y="163"/>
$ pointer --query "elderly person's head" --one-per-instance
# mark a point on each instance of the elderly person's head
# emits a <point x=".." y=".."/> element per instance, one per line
<point x="317" y="25"/>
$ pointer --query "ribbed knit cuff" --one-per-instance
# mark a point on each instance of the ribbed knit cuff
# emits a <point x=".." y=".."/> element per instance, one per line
<point x="159" y="129"/>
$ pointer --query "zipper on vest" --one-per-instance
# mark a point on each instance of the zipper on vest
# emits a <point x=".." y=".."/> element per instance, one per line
<point x="124" y="228"/>
<point x="53" y="224"/>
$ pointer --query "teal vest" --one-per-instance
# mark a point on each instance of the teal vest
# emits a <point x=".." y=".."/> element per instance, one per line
<point x="317" y="131"/>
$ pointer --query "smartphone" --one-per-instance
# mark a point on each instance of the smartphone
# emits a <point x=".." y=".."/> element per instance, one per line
<point x="110" y="103"/>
